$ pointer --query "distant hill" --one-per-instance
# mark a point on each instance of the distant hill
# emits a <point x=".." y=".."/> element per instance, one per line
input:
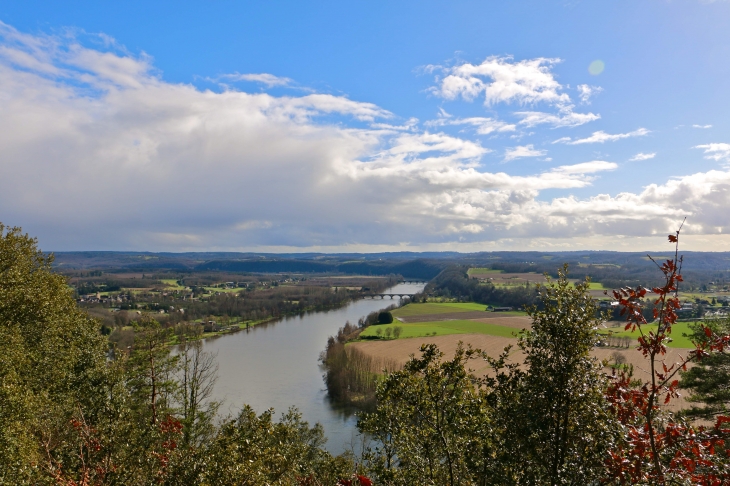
<point x="611" y="268"/>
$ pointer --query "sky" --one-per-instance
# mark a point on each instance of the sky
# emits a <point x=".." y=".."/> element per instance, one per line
<point x="366" y="126"/>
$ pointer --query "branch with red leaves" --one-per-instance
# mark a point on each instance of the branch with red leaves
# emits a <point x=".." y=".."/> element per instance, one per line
<point x="654" y="451"/>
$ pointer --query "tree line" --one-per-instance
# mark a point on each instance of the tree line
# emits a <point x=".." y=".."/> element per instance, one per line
<point x="453" y="282"/>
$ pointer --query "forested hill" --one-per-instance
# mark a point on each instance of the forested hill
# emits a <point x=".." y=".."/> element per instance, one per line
<point x="421" y="269"/>
<point x="611" y="268"/>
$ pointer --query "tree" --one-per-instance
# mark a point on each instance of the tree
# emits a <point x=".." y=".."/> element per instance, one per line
<point x="708" y="379"/>
<point x="52" y="361"/>
<point x="385" y="317"/>
<point x="150" y="370"/>
<point x="196" y="376"/>
<point x="557" y="425"/>
<point x="432" y="425"/>
<point x="397" y="331"/>
<point x="255" y="450"/>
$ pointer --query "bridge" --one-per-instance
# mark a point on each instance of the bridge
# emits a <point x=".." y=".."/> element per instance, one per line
<point x="413" y="282"/>
<point x="382" y="296"/>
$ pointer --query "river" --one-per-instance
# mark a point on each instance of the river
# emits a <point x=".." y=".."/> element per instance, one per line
<point x="276" y="365"/>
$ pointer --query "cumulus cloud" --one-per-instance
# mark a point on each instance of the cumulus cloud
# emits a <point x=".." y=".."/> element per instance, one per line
<point x="702" y="126"/>
<point x="586" y="92"/>
<point x="716" y="151"/>
<point x="500" y="79"/>
<point x="601" y="137"/>
<point x="99" y="152"/>
<point x="504" y="80"/>
<point x="522" y="151"/>
<point x="642" y="156"/>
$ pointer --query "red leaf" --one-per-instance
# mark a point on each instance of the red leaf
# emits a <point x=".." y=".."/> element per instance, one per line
<point x="672" y="238"/>
<point x="364" y="481"/>
<point x="708" y="332"/>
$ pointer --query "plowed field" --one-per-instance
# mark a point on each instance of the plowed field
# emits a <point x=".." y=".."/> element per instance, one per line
<point x="401" y="349"/>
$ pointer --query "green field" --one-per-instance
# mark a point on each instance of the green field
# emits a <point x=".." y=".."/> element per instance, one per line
<point x="678" y="340"/>
<point x="421" y="329"/>
<point x="482" y="271"/>
<point x="172" y="284"/>
<point x="447" y="308"/>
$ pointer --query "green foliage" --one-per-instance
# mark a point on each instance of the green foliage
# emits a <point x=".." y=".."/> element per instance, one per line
<point x="255" y="450"/>
<point x="432" y="425"/>
<point x="558" y="426"/>
<point x="385" y="317"/>
<point x="454" y="282"/>
<point x="52" y="359"/>
<point x="708" y="379"/>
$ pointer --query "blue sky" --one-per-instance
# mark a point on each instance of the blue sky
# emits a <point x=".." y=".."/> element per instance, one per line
<point x="365" y="126"/>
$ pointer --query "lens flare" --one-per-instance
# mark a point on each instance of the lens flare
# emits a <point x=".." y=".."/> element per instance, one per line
<point x="596" y="67"/>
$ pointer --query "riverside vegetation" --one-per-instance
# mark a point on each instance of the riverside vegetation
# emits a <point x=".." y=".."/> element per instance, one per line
<point x="72" y="414"/>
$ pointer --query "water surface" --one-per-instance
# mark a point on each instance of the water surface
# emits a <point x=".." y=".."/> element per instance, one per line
<point x="276" y="365"/>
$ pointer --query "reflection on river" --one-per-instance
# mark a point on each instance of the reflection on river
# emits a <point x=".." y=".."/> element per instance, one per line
<point x="276" y="366"/>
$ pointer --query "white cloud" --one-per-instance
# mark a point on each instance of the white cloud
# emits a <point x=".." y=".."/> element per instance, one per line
<point x="586" y="167"/>
<point x="642" y="156"/>
<point x="501" y="80"/>
<point x="565" y="118"/>
<point x="702" y="126"/>
<point x="522" y="151"/>
<point x="264" y="78"/>
<point x="98" y="152"/>
<point x="482" y="125"/>
<point x="716" y="151"/>
<point x="601" y="137"/>
<point x="585" y="92"/>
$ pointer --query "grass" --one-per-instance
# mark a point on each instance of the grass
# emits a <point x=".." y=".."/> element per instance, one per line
<point x="441" y="328"/>
<point x="482" y="271"/>
<point x="447" y="308"/>
<point x="172" y="284"/>
<point x="678" y="329"/>
<point x="596" y="286"/>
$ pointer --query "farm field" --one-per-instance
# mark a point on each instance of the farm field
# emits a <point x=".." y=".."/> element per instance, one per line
<point x="172" y="284"/>
<point x="445" y="308"/>
<point x="475" y="272"/>
<point x="511" y="279"/>
<point x="448" y="316"/>
<point x="440" y="328"/>
<point x="678" y="329"/>
<point x="501" y="279"/>
<point x="400" y="351"/>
